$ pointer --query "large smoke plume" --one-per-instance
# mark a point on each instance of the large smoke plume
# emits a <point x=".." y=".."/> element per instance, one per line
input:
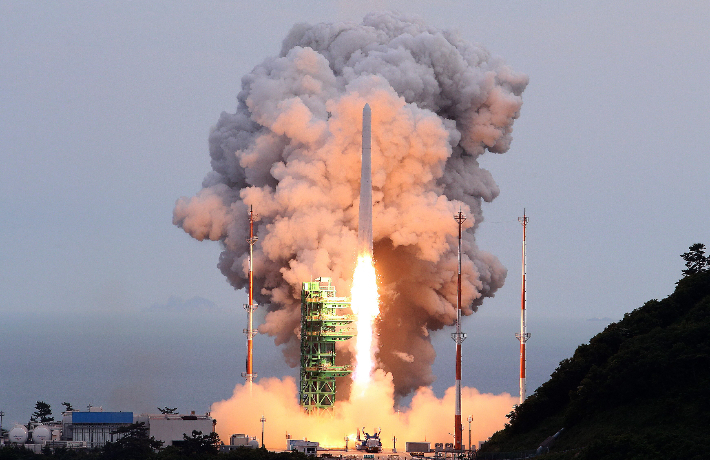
<point x="292" y="151"/>
<point x="427" y="418"/>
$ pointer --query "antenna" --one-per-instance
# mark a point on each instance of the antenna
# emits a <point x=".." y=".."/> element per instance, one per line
<point x="249" y="375"/>
<point x="458" y="337"/>
<point x="523" y="336"/>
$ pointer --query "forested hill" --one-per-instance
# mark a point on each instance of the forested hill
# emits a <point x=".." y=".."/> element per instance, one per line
<point x="639" y="389"/>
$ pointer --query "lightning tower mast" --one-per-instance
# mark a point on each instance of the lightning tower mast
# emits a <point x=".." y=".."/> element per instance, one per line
<point x="458" y="337"/>
<point x="523" y="336"/>
<point x="249" y="375"/>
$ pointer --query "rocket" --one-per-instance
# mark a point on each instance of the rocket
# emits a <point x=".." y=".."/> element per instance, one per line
<point x="364" y="229"/>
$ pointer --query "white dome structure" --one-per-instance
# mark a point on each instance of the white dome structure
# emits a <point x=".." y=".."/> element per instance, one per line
<point x="41" y="434"/>
<point x="18" y="434"/>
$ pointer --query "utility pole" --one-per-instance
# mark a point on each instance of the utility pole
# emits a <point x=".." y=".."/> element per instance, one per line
<point x="249" y="375"/>
<point x="458" y="337"/>
<point x="523" y="336"/>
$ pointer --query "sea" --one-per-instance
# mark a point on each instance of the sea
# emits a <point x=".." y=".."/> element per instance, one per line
<point x="144" y="360"/>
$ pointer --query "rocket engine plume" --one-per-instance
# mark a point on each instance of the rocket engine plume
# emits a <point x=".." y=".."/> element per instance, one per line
<point x="292" y="149"/>
<point x="364" y="302"/>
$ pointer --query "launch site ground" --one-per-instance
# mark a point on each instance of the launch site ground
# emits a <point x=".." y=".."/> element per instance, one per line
<point x="358" y="455"/>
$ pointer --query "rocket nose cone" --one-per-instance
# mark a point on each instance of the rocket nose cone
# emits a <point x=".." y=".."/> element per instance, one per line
<point x="366" y="109"/>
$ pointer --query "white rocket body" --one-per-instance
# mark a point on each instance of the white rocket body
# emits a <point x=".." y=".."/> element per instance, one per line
<point x="364" y="229"/>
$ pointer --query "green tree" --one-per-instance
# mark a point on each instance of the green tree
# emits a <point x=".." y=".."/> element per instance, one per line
<point x="42" y="413"/>
<point x="67" y="407"/>
<point x="695" y="259"/>
<point x="195" y="447"/>
<point x="133" y="443"/>
<point x="8" y="452"/>
<point x="199" y="443"/>
<point x="168" y="410"/>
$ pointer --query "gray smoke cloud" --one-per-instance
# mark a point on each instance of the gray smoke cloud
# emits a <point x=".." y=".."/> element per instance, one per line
<point x="292" y="151"/>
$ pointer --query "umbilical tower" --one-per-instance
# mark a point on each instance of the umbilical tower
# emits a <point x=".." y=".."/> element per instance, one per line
<point x="322" y="325"/>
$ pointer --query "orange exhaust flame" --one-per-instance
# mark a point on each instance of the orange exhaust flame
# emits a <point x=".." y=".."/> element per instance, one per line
<point x="365" y="306"/>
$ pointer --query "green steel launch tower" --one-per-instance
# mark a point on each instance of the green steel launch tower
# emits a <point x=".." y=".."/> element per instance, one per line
<point x="322" y="325"/>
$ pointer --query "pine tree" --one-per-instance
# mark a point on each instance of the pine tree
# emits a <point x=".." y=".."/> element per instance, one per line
<point x="695" y="259"/>
<point x="42" y="413"/>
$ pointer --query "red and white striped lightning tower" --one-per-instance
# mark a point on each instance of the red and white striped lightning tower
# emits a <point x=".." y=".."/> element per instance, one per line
<point x="249" y="375"/>
<point x="458" y="337"/>
<point x="523" y="336"/>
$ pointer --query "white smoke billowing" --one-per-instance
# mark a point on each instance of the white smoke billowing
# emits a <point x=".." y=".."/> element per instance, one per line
<point x="292" y="151"/>
<point x="427" y="418"/>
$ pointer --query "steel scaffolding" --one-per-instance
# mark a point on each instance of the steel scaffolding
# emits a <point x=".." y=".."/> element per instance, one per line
<point x="322" y="325"/>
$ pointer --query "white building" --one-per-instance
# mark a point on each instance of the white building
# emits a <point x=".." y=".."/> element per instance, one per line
<point x="237" y="441"/>
<point x="94" y="428"/>
<point x="299" y="445"/>
<point x="171" y="427"/>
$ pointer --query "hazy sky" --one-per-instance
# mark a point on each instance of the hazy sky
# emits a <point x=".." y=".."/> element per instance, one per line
<point x="105" y="109"/>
